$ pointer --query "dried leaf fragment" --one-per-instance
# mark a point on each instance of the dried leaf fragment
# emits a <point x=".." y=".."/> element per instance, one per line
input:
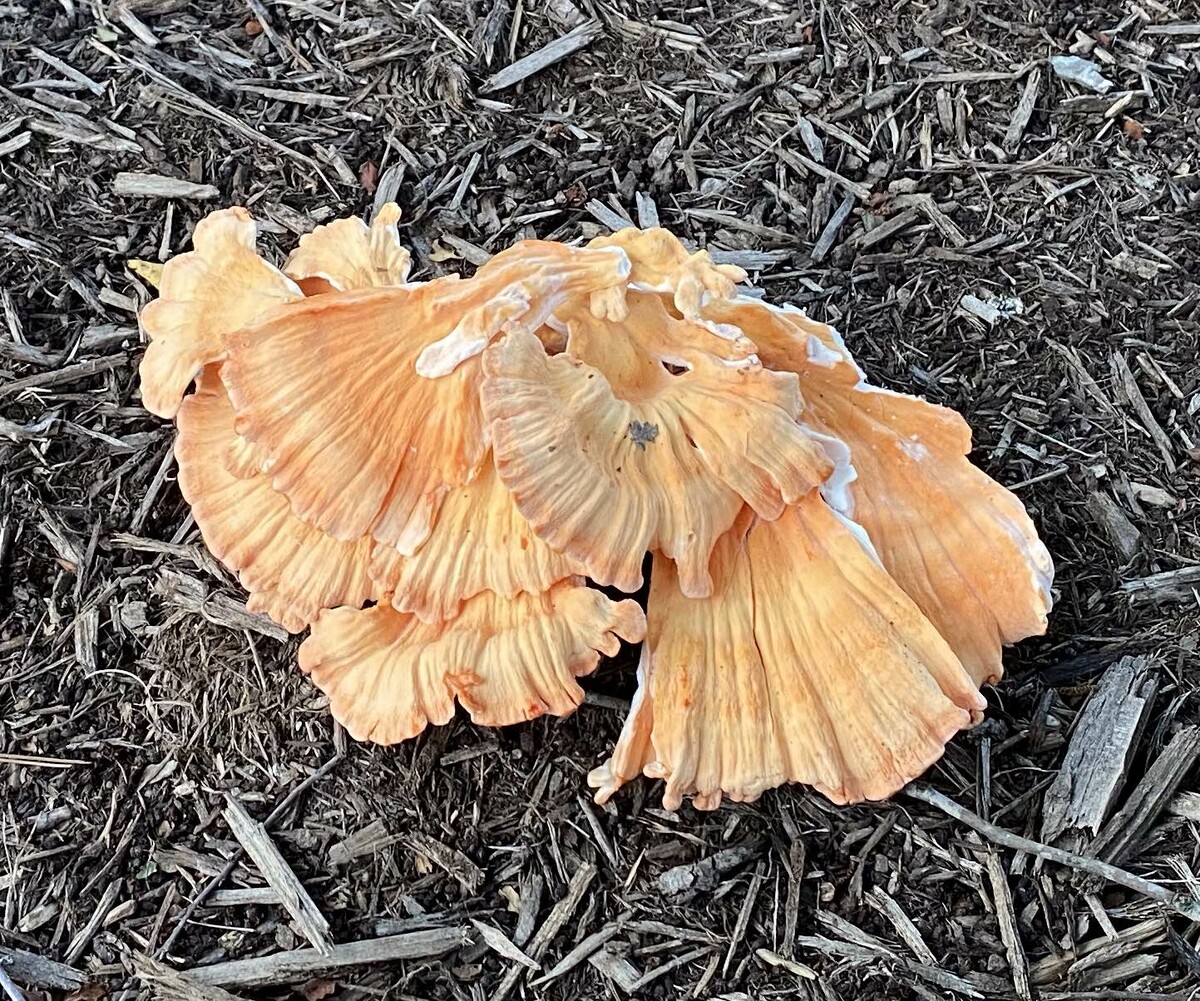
<point x="149" y="271"/>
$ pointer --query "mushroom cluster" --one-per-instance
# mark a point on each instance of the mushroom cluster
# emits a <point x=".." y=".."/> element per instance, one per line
<point x="437" y="478"/>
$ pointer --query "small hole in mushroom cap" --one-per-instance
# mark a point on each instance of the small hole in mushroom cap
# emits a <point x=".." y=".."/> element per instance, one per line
<point x="675" y="369"/>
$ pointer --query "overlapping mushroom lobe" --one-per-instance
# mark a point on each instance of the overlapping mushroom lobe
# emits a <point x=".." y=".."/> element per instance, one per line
<point x="481" y="542"/>
<point x="659" y="262"/>
<point x="359" y="440"/>
<point x="521" y="288"/>
<point x="506" y="660"/>
<point x="204" y="296"/>
<point x="348" y="254"/>
<point x="961" y="545"/>
<point x="636" y="439"/>
<point x="292" y="570"/>
<point x="806" y="664"/>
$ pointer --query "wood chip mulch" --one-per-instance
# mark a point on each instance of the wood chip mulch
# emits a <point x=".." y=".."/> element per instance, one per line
<point x="997" y="203"/>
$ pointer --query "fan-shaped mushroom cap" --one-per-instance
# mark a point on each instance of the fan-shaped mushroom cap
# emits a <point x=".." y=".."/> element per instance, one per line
<point x="961" y="545"/>
<point x="347" y="254"/>
<point x="609" y="454"/>
<point x="662" y="264"/>
<point x="338" y="256"/>
<point x="204" y="296"/>
<point x="358" y="442"/>
<point x="291" y="569"/>
<point x="388" y="674"/>
<point x="480" y="543"/>
<point x="524" y="285"/>
<point x="808" y="664"/>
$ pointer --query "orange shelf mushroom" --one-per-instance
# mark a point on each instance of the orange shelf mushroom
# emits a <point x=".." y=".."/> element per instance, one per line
<point x="436" y="477"/>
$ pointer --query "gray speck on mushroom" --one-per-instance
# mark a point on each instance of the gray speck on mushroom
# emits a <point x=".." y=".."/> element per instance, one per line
<point x="642" y="433"/>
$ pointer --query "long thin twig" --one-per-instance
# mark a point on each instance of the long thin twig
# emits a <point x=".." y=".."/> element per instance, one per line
<point x="1180" y="902"/>
<point x="236" y="857"/>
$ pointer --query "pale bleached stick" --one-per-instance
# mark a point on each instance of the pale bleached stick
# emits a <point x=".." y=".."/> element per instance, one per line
<point x="254" y="839"/>
<point x="1179" y="902"/>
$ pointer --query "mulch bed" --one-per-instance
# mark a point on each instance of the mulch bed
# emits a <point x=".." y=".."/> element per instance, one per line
<point x="985" y="230"/>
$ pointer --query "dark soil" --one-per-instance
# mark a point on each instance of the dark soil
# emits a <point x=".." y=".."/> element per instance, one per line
<point x="128" y="710"/>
